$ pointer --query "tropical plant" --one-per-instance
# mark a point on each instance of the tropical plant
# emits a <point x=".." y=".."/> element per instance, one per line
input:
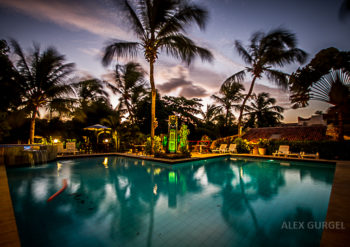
<point x="114" y="122"/>
<point x="301" y="80"/>
<point x="334" y="88"/>
<point x="43" y="79"/>
<point x="157" y="146"/>
<point x="129" y="83"/>
<point x="230" y="93"/>
<point x="159" y="25"/>
<point x="263" y="112"/>
<point x="276" y="48"/>
<point x="263" y="143"/>
<point x="242" y="145"/>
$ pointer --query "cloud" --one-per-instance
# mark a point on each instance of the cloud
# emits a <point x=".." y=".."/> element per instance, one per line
<point x="192" y="91"/>
<point x="84" y="15"/>
<point x="282" y="97"/>
<point x="173" y="84"/>
<point x="178" y="81"/>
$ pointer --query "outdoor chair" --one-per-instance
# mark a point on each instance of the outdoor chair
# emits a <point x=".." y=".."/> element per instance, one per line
<point x="304" y="155"/>
<point x="222" y="149"/>
<point x="232" y="148"/>
<point x="70" y="148"/>
<point x="283" y="150"/>
<point x="60" y="149"/>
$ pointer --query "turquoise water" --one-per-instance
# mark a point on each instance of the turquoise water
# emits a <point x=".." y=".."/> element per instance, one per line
<point x="116" y="201"/>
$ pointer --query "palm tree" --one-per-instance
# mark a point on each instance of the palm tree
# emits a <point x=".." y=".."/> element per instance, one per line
<point x="90" y="90"/>
<point x="210" y="114"/>
<point x="129" y="83"/>
<point x="114" y="122"/>
<point x="334" y="88"/>
<point x="230" y="94"/>
<point x="263" y="112"/>
<point x="276" y="48"/>
<point x="43" y="76"/>
<point x="159" y="25"/>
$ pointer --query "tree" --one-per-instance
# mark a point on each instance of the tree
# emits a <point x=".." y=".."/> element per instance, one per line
<point x="129" y="83"/>
<point x="276" y="48"/>
<point x="230" y="93"/>
<point x="302" y="80"/>
<point x="344" y="10"/>
<point x="159" y="25"/>
<point x="185" y="109"/>
<point x="42" y="79"/>
<point x="263" y="112"/>
<point x="211" y="113"/>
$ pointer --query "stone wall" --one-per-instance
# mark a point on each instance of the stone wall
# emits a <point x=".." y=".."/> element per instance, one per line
<point x="26" y="155"/>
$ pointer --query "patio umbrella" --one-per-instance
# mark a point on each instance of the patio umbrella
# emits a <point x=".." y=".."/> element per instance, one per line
<point x="97" y="127"/>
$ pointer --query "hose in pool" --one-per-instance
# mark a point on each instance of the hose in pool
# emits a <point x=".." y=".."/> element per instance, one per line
<point x="60" y="191"/>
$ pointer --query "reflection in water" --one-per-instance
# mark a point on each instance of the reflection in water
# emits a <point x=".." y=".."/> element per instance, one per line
<point x="136" y="203"/>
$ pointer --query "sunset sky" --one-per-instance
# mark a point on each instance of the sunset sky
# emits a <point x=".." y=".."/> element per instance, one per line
<point x="80" y="28"/>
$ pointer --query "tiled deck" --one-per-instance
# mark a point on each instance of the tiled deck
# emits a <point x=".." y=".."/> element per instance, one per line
<point x="8" y="228"/>
<point x="338" y="209"/>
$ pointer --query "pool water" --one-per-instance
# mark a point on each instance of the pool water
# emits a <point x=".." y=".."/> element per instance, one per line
<point x="118" y="201"/>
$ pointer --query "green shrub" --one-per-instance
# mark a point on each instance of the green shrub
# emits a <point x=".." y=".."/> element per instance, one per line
<point x="242" y="145"/>
<point x="157" y="145"/>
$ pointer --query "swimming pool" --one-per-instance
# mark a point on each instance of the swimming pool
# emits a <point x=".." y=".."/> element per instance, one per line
<point x="118" y="201"/>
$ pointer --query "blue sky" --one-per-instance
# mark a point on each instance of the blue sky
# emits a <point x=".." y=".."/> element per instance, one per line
<point x="79" y="29"/>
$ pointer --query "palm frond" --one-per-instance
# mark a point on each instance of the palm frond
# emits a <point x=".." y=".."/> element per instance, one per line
<point x="181" y="47"/>
<point x="237" y="77"/>
<point x="135" y="21"/>
<point x="243" y="52"/>
<point x="182" y="18"/>
<point x="119" y="49"/>
<point x="278" y="77"/>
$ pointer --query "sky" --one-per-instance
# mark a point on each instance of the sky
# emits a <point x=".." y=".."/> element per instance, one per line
<point x="79" y="29"/>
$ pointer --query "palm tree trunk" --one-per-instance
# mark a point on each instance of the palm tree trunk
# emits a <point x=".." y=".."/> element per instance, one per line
<point x="32" y="126"/>
<point x="243" y="105"/>
<point x="340" y="126"/>
<point x="153" y="104"/>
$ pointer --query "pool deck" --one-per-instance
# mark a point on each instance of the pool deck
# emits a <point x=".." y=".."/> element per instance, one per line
<point x="338" y="208"/>
<point x="8" y="227"/>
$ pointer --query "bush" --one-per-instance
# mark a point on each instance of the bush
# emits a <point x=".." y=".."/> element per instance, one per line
<point x="242" y="145"/>
<point x="157" y="145"/>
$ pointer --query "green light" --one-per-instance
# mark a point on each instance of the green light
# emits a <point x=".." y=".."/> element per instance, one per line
<point x="172" y="177"/>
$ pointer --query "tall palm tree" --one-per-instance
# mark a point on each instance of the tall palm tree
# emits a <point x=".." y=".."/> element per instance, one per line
<point x="230" y="94"/>
<point x="263" y="112"/>
<point x="159" y="25"/>
<point x="276" y="48"/>
<point x="43" y="79"/>
<point x="129" y="84"/>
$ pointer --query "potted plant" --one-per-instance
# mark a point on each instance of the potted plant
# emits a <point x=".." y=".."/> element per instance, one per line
<point x="262" y="145"/>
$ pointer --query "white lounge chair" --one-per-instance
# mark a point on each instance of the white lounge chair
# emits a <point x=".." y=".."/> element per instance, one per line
<point x="222" y="149"/>
<point x="304" y="155"/>
<point x="232" y="148"/>
<point x="283" y="150"/>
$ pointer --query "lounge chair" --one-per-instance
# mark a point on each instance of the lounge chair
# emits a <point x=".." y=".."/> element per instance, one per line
<point x="304" y="155"/>
<point x="70" y="148"/>
<point x="283" y="150"/>
<point x="232" y="148"/>
<point x="60" y="149"/>
<point x="222" y="149"/>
